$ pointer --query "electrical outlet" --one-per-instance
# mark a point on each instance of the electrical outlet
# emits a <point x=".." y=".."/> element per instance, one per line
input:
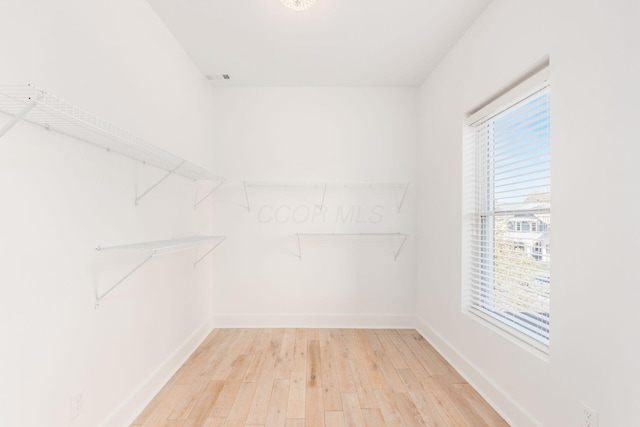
<point x="589" y="417"/>
<point x="77" y="402"/>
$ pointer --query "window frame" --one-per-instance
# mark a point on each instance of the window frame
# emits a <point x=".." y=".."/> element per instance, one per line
<point x="538" y="81"/>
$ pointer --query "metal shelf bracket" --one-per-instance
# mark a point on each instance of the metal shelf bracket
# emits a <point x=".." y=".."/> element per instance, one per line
<point x="15" y="119"/>
<point x="195" y="264"/>
<point x="167" y="175"/>
<point x="404" y="240"/>
<point x="324" y="193"/>
<point x="198" y="202"/>
<point x="246" y="196"/>
<point x="157" y="248"/>
<point x="126" y="276"/>
<point x="404" y="195"/>
<point x="396" y="253"/>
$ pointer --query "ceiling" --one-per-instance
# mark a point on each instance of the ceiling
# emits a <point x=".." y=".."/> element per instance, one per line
<point x="335" y="43"/>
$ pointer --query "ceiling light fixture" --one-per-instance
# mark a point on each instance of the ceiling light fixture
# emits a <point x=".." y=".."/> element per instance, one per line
<point x="298" y="5"/>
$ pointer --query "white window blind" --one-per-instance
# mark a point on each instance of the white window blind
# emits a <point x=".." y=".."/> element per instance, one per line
<point x="509" y="248"/>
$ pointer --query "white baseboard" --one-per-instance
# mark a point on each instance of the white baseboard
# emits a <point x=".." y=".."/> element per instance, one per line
<point x="133" y="405"/>
<point x="365" y="321"/>
<point x="512" y="412"/>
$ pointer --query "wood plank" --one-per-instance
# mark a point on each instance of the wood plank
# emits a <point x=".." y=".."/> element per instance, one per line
<point x="389" y="408"/>
<point x="334" y="418"/>
<point x="276" y="337"/>
<point x="262" y="344"/>
<point x="227" y="397"/>
<point x="364" y="390"/>
<point x="297" y="395"/>
<point x="412" y="339"/>
<point x="314" y="369"/>
<point x="240" y="408"/>
<point x="371" y="363"/>
<point x="232" y="350"/>
<point x="330" y="388"/>
<point x="202" y="408"/>
<point x="214" y="422"/>
<point x="208" y="359"/>
<point x="324" y="336"/>
<point x="408" y="411"/>
<point x="353" y="416"/>
<point x="373" y="418"/>
<point x="372" y="340"/>
<point x="410" y="358"/>
<point x="284" y="365"/>
<point x="194" y="369"/>
<point x="384" y="363"/>
<point x="164" y="408"/>
<point x="457" y="401"/>
<point x="300" y="354"/>
<point x="276" y="414"/>
<point x="247" y="339"/>
<point x="451" y="413"/>
<point x="422" y="399"/>
<point x="391" y="350"/>
<point x="429" y="350"/>
<point x="260" y="403"/>
<point x="254" y="344"/>
<point x="188" y="400"/>
<point x="314" y="409"/>
<point x="292" y="422"/>
<point x="341" y="353"/>
<point x="313" y="334"/>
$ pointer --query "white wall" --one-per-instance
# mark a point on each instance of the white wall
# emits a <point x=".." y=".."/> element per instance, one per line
<point x="594" y="311"/>
<point x="61" y="198"/>
<point x="309" y="135"/>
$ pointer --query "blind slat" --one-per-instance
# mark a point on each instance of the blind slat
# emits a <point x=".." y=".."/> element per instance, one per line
<point x="534" y="297"/>
<point x="477" y="263"/>
<point x="504" y="305"/>
<point x="511" y="283"/>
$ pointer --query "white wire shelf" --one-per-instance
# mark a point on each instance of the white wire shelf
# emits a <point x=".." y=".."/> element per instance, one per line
<point x="401" y="238"/>
<point x="401" y="187"/>
<point x="34" y="105"/>
<point x="160" y="247"/>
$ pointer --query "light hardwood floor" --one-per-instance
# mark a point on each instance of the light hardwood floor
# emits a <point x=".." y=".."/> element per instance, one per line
<point x="316" y="377"/>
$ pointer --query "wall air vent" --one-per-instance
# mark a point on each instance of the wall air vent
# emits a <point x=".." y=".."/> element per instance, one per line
<point x="218" y="77"/>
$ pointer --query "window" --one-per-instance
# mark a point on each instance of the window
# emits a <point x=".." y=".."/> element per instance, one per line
<point x="509" y="172"/>
<point x="537" y="250"/>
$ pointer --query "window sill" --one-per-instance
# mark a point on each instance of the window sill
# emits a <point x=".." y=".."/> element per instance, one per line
<point x="528" y="344"/>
